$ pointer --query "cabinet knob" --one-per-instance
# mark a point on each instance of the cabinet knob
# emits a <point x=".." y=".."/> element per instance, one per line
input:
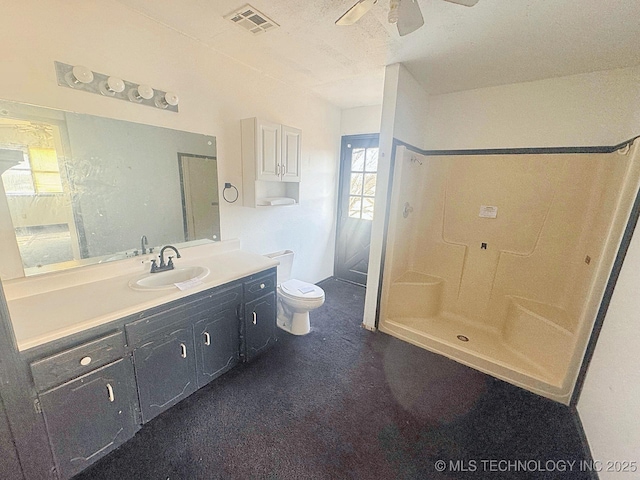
<point x="84" y="361"/>
<point x="207" y="338"/>
<point x="255" y="318"/>
<point x="183" y="350"/>
<point x="262" y="285"/>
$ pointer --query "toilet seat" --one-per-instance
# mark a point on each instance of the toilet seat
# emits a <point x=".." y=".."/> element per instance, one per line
<point x="301" y="290"/>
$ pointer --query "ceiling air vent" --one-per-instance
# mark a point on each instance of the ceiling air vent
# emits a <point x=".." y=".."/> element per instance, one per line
<point x="251" y="19"/>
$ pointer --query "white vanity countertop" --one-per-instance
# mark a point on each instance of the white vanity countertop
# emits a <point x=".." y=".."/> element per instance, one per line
<point x="69" y="302"/>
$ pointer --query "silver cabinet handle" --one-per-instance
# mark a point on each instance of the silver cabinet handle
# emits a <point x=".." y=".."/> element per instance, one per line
<point x="207" y="338"/>
<point x="284" y="169"/>
<point x="278" y="170"/>
<point x="255" y="318"/>
<point x="183" y="350"/>
<point x="110" y="392"/>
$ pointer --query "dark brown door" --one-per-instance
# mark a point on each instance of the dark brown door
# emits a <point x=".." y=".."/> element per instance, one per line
<point x="358" y="176"/>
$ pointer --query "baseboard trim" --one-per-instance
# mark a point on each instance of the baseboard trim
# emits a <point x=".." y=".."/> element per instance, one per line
<point x="326" y="280"/>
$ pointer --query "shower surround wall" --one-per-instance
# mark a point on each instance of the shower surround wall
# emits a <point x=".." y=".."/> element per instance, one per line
<point x="515" y="295"/>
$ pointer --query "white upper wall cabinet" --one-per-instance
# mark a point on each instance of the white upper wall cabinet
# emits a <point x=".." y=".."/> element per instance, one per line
<point x="268" y="149"/>
<point x="291" y="143"/>
<point x="271" y="156"/>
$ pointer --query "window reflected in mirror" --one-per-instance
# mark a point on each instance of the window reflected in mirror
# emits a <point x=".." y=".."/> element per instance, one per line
<point x="83" y="189"/>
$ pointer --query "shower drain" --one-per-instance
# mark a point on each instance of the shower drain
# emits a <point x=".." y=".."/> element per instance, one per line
<point x="463" y="338"/>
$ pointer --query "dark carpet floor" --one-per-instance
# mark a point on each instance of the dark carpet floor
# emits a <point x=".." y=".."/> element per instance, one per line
<point x="346" y="403"/>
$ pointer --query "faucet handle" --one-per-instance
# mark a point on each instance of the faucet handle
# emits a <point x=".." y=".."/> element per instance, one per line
<point x="170" y="262"/>
<point x="154" y="265"/>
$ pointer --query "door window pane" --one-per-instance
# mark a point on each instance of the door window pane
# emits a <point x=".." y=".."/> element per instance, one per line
<point x="372" y="160"/>
<point x="355" y="206"/>
<point x="369" y="184"/>
<point x="367" y="208"/>
<point x="357" y="159"/>
<point x="356" y="184"/>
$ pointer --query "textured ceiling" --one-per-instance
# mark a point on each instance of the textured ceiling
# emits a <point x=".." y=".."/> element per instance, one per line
<point x="459" y="48"/>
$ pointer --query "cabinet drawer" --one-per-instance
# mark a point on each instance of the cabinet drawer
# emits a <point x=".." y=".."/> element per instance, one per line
<point x="256" y="288"/>
<point x="63" y="366"/>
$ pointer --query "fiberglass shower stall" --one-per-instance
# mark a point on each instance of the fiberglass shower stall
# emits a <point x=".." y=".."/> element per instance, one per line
<point x="500" y="261"/>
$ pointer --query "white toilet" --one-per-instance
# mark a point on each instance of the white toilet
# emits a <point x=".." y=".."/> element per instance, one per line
<point x="295" y="297"/>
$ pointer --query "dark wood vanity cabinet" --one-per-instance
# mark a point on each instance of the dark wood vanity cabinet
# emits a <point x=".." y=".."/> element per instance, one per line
<point x="259" y="326"/>
<point x="180" y="349"/>
<point x="97" y="388"/>
<point x="165" y="371"/>
<point x="217" y="340"/>
<point x="217" y="335"/>
<point x="90" y="416"/>
<point x="88" y="399"/>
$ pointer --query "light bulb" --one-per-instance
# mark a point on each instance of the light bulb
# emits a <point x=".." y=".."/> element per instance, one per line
<point x="393" y="11"/>
<point x="145" y="91"/>
<point x="112" y="86"/>
<point x="139" y="93"/>
<point x="115" y="84"/>
<point x="78" y="75"/>
<point x="169" y="98"/>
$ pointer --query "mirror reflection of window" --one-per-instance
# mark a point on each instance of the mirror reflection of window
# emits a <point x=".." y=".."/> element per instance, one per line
<point x="82" y="189"/>
<point x="40" y="208"/>
<point x="38" y="173"/>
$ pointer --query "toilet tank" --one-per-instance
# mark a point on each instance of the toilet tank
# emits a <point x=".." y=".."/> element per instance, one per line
<point x="285" y="257"/>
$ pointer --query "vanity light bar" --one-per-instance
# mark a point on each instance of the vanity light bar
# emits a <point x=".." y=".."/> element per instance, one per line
<point x="81" y="78"/>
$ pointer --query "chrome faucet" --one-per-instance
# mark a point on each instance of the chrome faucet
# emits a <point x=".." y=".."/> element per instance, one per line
<point x="164" y="266"/>
<point x="143" y="243"/>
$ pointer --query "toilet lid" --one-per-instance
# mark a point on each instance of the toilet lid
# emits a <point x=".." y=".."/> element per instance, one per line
<point x="300" y="289"/>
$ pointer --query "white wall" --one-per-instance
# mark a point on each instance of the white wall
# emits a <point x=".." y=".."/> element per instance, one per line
<point x="215" y="94"/>
<point x="610" y="399"/>
<point x="361" y="120"/>
<point x="600" y="108"/>
<point x="413" y="109"/>
<point x="590" y="109"/>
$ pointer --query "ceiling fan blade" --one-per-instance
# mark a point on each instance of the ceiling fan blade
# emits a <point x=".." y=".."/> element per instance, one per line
<point x="356" y="12"/>
<point x="409" y="17"/>
<point x="466" y="3"/>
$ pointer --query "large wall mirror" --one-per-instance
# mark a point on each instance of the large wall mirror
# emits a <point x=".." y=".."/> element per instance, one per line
<point x="83" y="189"/>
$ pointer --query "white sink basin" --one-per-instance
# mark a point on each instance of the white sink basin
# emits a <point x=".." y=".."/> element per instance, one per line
<point x="168" y="279"/>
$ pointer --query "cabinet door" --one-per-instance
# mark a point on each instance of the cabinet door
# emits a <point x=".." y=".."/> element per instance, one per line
<point x="217" y="340"/>
<point x="260" y="325"/>
<point x="90" y="416"/>
<point x="291" y="150"/>
<point x="268" y="150"/>
<point x="165" y="370"/>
